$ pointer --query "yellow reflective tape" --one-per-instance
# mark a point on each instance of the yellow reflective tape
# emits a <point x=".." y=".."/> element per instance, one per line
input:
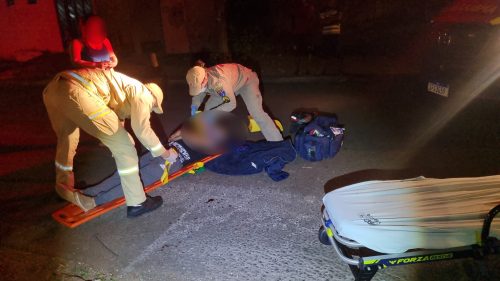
<point x="64" y="168"/>
<point x="97" y="111"/>
<point x="370" y="261"/>
<point x="102" y="115"/>
<point x="99" y="114"/>
<point x="329" y="232"/>
<point x="128" y="171"/>
<point x="164" y="176"/>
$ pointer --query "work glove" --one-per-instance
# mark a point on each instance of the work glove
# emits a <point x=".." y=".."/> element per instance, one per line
<point x="194" y="110"/>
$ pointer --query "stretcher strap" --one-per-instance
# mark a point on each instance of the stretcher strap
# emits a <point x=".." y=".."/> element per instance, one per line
<point x="164" y="176"/>
<point x="198" y="166"/>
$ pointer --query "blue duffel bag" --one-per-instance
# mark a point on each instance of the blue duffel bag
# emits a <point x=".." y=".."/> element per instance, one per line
<point x="319" y="139"/>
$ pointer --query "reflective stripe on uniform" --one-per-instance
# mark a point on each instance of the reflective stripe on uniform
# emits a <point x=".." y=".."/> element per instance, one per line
<point x="63" y="168"/>
<point x="82" y="80"/>
<point x="128" y="171"/>
<point x="157" y="147"/>
<point x="104" y="110"/>
<point x="100" y="113"/>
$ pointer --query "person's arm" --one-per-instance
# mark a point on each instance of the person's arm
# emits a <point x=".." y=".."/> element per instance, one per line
<point x="140" y="114"/>
<point x="196" y="101"/>
<point x="229" y="93"/>
<point x="113" y="59"/>
<point x="76" y="57"/>
<point x="175" y="136"/>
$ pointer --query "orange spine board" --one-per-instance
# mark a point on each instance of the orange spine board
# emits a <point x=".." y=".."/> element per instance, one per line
<point x="72" y="216"/>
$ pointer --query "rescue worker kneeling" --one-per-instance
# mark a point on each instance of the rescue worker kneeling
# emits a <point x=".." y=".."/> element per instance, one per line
<point x="79" y="99"/>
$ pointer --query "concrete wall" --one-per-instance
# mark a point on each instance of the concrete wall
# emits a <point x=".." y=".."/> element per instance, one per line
<point x="175" y="26"/>
<point x="28" y="28"/>
<point x="134" y="26"/>
<point x="116" y="14"/>
<point x="173" y="14"/>
<point x="192" y="26"/>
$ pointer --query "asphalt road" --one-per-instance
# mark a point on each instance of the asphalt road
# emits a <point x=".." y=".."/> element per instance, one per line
<point x="214" y="227"/>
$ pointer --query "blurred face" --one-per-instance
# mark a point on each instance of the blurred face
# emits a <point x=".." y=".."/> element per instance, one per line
<point x="212" y="131"/>
<point x="204" y="136"/>
<point x="94" y="30"/>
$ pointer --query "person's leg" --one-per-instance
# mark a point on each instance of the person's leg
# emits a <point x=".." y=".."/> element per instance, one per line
<point x="153" y="171"/>
<point x="106" y="190"/>
<point x="126" y="159"/>
<point x="67" y="141"/>
<point x="253" y="101"/>
<point x="110" y="188"/>
<point x="94" y="117"/>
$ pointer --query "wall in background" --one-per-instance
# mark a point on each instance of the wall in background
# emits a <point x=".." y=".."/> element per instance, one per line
<point x="194" y="26"/>
<point x="28" y="29"/>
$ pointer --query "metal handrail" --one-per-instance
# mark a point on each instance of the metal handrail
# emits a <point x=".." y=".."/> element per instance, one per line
<point x="344" y="241"/>
<point x="345" y="259"/>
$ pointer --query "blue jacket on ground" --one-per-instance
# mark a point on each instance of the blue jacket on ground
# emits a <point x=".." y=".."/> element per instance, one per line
<point x="254" y="157"/>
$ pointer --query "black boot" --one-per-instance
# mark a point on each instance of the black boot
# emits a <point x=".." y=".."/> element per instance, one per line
<point x="149" y="205"/>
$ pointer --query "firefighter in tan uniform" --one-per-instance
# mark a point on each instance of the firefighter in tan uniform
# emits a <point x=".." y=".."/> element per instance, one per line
<point x="223" y="83"/>
<point x="79" y="99"/>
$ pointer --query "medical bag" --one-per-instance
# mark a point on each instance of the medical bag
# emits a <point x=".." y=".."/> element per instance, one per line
<point x="319" y="139"/>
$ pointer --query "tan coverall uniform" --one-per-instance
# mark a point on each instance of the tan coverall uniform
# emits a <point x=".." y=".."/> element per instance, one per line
<point x="233" y="80"/>
<point x="72" y="104"/>
<point x="136" y="103"/>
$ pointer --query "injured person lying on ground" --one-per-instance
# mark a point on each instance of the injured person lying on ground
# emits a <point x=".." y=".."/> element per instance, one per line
<point x="208" y="133"/>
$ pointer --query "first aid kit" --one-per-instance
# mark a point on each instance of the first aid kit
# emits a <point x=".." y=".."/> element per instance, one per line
<point x="321" y="138"/>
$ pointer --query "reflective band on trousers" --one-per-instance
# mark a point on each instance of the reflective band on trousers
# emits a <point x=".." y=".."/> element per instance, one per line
<point x="157" y="147"/>
<point x="64" y="168"/>
<point x="128" y="171"/>
<point x="100" y="113"/>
